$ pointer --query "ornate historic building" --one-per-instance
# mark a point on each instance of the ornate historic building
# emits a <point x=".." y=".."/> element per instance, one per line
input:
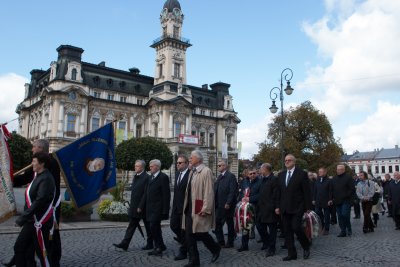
<point x="73" y="98"/>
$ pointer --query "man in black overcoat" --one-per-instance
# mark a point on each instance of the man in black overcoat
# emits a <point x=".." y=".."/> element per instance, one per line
<point x="138" y="187"/>
<point x="321" y="197"/>
<point x="394" y="198"/>
<point x="226" y="190"/>
<point x="156" y="204"/>
<point x="181" y="180"/>
<point x="295" y="200"/>
<point x="267" y="204"/>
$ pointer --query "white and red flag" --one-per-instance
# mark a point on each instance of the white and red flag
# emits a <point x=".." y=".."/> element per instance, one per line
<point x="7" y="199"/>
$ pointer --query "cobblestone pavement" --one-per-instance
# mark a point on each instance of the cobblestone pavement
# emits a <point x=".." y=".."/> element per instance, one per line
<point x="93" y="247"/>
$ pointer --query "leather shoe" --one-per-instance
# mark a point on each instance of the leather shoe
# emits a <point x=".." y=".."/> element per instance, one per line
<point x="306" y="254"/>
<point x="155" y="252"/>
<point x="215" y="256"/>
<point x="180" y="256"/>
<point x="147" y="247"/>
<point x="264" y="247"/>
<point x="163" y="248"/>
<point x="341" y="235"/>
<point x="120" y="245"/>
<point x="10" y="263"/>
<point x="270" y="254"/>
<point x="228" y="245"/>
<point x="191" y="264"/>
<point x="243" y="249"/>
<point x="289" y="258"/>
<point x="283" y="247"/>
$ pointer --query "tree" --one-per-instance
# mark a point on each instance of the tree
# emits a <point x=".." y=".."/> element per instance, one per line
<point x="146" y="148"/>
<point x="308" y="135"/>
<point x="21" y="151"/>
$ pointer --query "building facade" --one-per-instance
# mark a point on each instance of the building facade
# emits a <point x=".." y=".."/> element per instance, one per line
<point x="377" y="163"/>
<point x="73" y="98"/>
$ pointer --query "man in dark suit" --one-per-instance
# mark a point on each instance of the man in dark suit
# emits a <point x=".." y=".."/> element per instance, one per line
<point x="321" y="197"/>
<point x="181" y="180"/>
<point x="138" y="188"/>
<point x="156" y="204"/>
<point x="295" y="199"/>
<point x="226" y="189"/>
<point x="267" y="204"/>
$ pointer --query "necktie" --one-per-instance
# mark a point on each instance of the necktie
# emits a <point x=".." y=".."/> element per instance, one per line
<point x="179" y="178"/>
<point x="288" y="178"/>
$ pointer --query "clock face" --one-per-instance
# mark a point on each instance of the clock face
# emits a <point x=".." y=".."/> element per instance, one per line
<point x="177" y="12"/>
<point x="164" y="13"/>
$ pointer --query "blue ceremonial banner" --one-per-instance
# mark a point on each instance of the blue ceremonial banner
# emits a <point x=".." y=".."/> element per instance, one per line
<point x="88" y="165"/>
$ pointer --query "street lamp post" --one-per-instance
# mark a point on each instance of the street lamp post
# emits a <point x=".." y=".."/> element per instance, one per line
<point x="286" y="74"/>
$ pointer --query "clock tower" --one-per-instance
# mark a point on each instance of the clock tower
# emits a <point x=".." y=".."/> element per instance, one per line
<point x="171" y="46"/>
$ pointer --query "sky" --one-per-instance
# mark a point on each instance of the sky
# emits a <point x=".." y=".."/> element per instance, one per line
<point x="344" y="55"/>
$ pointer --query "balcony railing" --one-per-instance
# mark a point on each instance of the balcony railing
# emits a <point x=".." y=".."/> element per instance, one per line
<point x="170" y="36"/>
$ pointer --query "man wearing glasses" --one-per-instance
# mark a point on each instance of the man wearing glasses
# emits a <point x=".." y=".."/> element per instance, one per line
<point x="295" y="199"/>
<point x="226" y="189"/>
<point x="181" y="180"/>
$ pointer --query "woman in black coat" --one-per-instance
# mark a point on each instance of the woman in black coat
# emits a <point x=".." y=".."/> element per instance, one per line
<point x="37" y="219"/>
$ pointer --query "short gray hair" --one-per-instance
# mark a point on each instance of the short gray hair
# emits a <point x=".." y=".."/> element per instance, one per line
<point x="43" y="144"/>
<point x="141" y="162"/>
<point x="197" y="154"/>
<point x="267" y="166"/>
<point x="224" y="161"/>
<point x="156" y="162"/>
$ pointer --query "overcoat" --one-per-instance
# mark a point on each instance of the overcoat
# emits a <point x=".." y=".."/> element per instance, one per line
<point x="202" y="191"/>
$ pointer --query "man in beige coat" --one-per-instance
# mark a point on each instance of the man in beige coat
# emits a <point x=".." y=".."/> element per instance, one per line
<point x="198" y="216"/>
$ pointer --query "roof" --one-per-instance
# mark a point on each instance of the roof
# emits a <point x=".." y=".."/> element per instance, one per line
<point x="386" y="153"/>
<point x="171" y="4"/>
<point x="370" y="155"/>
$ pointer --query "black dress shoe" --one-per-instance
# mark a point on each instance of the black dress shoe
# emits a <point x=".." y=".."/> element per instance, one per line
<point x="264" y="247"/>
<point x="243" y="249"/>
<point x="228" y="245"/>
<point x="180" y="256"/>
<point x="215" y="256"/>
<point x="120" y="245"/>
<point x="341" y="235"/>
<point x="155" y="252"/>
<point x="191" y="264"/>
<point x="289" y="258"/>
<point x="306" y="254"/>
<point x="270" y="254"/>
<point x="147" y="247"/>
<point x="283" y="247"/>
<point x="163" y="248"/>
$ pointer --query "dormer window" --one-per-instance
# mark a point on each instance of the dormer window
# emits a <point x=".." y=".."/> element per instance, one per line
<point x="73" y="74"/>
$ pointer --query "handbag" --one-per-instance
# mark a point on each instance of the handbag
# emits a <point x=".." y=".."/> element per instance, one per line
<point x="375" y="197"/>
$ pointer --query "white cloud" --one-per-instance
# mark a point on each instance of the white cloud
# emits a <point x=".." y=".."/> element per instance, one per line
<point x="12" y="93"/>
<point x="359" y="40"/>
<point x="380" y="130"/>
<point x="252" y="135"/>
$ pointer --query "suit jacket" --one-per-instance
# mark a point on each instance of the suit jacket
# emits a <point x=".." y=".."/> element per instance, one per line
<point x="296" y="197"/>
<point x="27" y="177"/>
<point x="268" y="200"/>
<point x="322" y="192"/>
<point x="138" y="189"/>
<point x="226" y="189"/>
<point x="157" y="198"/>
<point x="42" y="192"/>
<point x="179" y="193"/>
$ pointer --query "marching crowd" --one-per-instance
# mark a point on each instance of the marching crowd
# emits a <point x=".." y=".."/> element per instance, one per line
<point x="260" y="200"/>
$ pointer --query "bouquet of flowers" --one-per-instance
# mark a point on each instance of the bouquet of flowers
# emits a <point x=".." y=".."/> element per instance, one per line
<point x="244" y="215"/>
<point x="311" y="224"/>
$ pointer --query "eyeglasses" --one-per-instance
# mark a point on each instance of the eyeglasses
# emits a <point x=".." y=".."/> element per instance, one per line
<point x="288" y="160"/>
<point x="180" y="162"/>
